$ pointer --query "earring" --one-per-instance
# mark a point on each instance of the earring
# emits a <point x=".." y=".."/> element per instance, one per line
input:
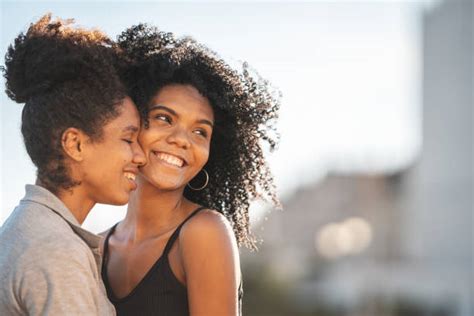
<point x="205" y="184"/>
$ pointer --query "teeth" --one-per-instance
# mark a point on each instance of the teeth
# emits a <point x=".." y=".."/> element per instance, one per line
<point x="173" y="160"/>
<point x="130" y="176"/>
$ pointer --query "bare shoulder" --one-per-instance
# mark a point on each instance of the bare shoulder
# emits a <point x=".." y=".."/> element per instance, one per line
<point x="207" y="243"/>
<point x="208" y="225"/>
<point x="211" y="264"/>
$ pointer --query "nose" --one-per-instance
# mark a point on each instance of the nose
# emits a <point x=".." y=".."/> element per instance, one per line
<point x="179" y="137"/>
<point x="138" y="155"/>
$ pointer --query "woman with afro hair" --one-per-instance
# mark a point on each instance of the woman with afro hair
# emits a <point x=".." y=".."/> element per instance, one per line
<point x="204" y="125"/>
<point x="80" y="130"/>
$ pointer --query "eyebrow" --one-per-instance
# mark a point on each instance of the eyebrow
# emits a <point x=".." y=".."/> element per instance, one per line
<point x="131" y="128"/>
<point x="206" y="122"/>
<point x="171" y="111"/>
<point x="162" y="107"/>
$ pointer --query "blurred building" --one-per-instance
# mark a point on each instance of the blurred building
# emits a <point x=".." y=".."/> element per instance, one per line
<point x="337" y="243"/>
<point x="375" y="245"/>
<point x="438" y="203"/>
<point x="299" y="236"/>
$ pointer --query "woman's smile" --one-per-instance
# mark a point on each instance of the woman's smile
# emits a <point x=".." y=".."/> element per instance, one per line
<point x="131" y="176"/>
<point x="169" y="159"/>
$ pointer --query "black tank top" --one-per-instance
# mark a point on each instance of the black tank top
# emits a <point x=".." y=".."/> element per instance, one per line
<point x="159" y="292"/>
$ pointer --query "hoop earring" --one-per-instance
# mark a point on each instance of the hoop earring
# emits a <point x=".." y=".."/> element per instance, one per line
<point x="205" y="183"/>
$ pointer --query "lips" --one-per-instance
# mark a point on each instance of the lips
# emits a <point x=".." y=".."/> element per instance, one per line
<point x="131" y="176"/>
<point x="170" y="159"/>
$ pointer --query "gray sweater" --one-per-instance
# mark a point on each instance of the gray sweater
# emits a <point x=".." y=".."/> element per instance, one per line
<point x="49" y="265"/>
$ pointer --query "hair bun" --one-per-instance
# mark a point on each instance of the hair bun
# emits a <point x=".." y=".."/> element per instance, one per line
<point x="49" y="54"/>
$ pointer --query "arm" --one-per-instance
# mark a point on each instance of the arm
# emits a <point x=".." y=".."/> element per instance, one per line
<point x="211" y="264"/>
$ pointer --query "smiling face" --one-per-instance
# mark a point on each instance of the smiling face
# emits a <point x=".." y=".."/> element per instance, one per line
<point x="177" y="141"/>
<point x="111" y="164"/>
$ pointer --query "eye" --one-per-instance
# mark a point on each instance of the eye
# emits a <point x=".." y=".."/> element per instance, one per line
<point x="128" y="141"/>
<point x="201" y="132"/>
<point x="163" y="117"/>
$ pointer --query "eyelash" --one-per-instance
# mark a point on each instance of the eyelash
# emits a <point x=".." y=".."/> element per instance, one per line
<point x="168" y="120"/>
<point x="202" y="132"/>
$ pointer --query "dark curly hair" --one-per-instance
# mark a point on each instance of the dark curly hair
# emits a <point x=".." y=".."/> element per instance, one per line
<point x="67" y="77"/>
<point x="245" y="109"/>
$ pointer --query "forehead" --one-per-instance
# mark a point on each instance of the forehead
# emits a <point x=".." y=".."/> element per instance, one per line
<point x="184" y="99"/>
<point x="128" y="116"/>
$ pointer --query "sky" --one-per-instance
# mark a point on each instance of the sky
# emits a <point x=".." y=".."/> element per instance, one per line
<point x="349" y="73"/>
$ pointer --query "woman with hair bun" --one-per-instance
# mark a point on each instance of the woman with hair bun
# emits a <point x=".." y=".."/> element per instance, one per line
<point x="203" y="129"/>
<point x="80" y="130"/>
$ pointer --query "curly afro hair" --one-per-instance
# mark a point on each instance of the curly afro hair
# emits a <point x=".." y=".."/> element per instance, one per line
<point x="67" y="77"/>
<point x="245" y="108"/>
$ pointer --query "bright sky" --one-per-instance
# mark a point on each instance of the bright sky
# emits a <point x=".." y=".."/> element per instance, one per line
<point x="349" y="72"/>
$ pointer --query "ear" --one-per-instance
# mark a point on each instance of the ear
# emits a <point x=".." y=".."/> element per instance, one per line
<point x="72" y="141"/>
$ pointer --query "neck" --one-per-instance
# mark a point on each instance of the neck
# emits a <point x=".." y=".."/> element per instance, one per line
<point x="152" y="211"/>
<point x="78" y="203"/>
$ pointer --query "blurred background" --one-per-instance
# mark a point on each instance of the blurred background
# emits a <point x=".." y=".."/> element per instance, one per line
<point x="374" y="169"/>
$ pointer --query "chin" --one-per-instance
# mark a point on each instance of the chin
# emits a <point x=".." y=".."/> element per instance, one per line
<point x="123" y="201"/>
<point x="166" y="184"/>
<point x="117" y="200"/>
<point x="169" y="186"/>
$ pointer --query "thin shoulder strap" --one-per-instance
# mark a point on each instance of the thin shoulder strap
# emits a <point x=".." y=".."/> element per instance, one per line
<point x="106" y="246"/>
<point x="175" y="234"/>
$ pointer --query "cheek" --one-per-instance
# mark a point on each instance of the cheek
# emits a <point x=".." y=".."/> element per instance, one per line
<point x="116" y="156"/>
<point x="95" y="160"/>
<point x="202" y="154"/>
<point x="147" y="136"/>
<point x="107" y="165"/>
<point x="142" y="137"/>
